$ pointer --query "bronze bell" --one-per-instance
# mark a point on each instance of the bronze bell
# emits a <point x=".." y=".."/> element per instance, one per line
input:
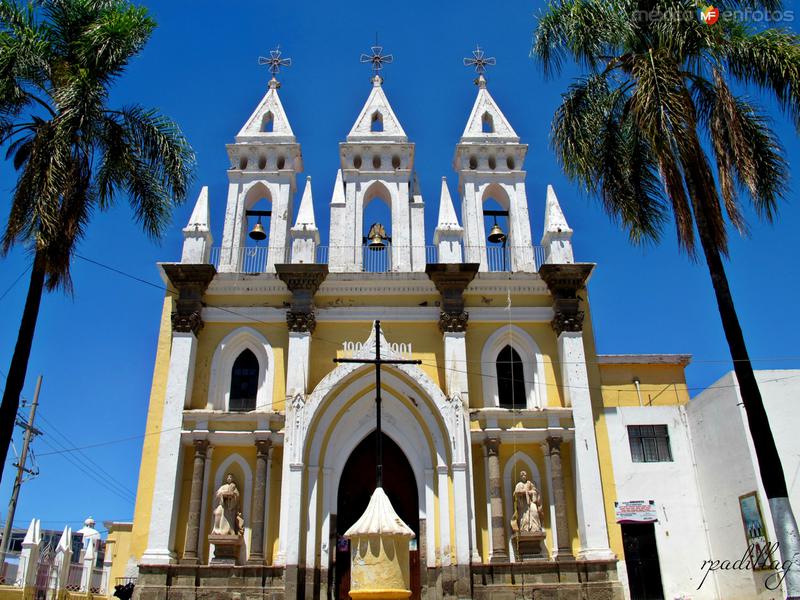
<point x="377" y="237"/>
<point x="496" y="235"/>
<point x="258" y="234"/>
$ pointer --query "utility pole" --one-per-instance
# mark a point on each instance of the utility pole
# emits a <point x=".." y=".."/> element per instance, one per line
<point x="30" y="431"/>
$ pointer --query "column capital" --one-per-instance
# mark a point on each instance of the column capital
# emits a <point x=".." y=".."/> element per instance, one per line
<point x="554" y="444"/>
<point x="492" y="445"/>
<point x="303" y="281"/>
<point x="301" y="322"/>
<point x="190" y="282"/>
<point x="201" y="447"/>
<point x="451" y="279"/>
<point x="454" y="321"/>
<point x="263" y="448"/>
<point x="564" y="283"/>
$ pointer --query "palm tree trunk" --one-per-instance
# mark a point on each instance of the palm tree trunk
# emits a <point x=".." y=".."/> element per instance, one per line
<point x="19" y="361"/>
<point x="769" y="461"/>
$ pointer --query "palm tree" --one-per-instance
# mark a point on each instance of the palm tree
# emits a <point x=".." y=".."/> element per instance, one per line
<point x="655" y="128"/>
<point x="74" y="154"/>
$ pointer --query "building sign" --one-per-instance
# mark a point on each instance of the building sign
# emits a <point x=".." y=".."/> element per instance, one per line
<point x="755" y="531"/>
<point x="352" y="348"/>
<point x="636" y="511"/>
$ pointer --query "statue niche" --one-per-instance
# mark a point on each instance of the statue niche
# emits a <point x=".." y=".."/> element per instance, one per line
<point x="527" y="520"/>
<point x="228" y="529"/>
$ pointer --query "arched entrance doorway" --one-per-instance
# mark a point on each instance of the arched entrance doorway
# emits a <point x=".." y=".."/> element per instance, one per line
<point x="355" y="489"/>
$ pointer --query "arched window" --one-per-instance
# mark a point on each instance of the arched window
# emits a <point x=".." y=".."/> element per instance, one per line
<point x="377" y="122"/>
<point x="244" y="382"/>
<point x="487" y="123"/>
<point x="510" y="379"/>
<point x="267" y="123"/>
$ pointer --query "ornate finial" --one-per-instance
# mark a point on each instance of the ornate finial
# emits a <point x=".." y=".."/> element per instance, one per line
<point x="378" y="59"/>
<point x="480" y="62"/>
<point x="274" y="64"/>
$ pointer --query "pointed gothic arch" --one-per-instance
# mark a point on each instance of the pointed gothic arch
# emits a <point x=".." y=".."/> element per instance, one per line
<point x="487" y="123"/>
<point x="532" y="367"/>
<point x="225" y="356"/>
<point x="376" y="122"/>
<point x="268" y="122"/>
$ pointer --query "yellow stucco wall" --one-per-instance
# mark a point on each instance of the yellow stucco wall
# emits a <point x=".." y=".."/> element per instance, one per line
<point x="147" y="467"/>
<point x="118" y="543"/>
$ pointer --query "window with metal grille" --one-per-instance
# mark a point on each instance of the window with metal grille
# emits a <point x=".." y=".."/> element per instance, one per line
<point x="244" y="382"/>
<point x="649" y="443"/>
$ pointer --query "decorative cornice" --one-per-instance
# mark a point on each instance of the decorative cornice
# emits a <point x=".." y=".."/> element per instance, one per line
<point x="453" y="321"/>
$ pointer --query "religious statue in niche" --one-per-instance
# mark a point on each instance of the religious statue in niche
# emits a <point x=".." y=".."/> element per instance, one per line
<point x="527" y="506"/>
<point x="227" y="518"/>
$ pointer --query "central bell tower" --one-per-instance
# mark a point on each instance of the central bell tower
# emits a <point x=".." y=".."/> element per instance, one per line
<point x="377" y="163"/>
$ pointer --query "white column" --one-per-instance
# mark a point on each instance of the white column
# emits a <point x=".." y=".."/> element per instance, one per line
<point x="430" y="521"/>
<point x="164" y="508"/>
<point x="472" y="220"/>
<point x="418" y="235"/>
<point x="592" y="528"/>
<point x="268" y="502"/>
<point x="548" y="473"/>
<point x="298" y="356"/>
<point x="292" y="473"/>
<point x="280" y="222"/>
<point x="520" y="231"/>
<point x="230" y="251"/>
<point x="444" y="516"/>
<point x="455" y="364"/>
<point x="325" y="532"/>
<point x="311" y="528"/>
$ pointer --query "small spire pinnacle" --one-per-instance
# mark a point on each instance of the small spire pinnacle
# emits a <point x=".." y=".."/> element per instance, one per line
<point x="480" y="62"/>
<point x="274" y="63"/>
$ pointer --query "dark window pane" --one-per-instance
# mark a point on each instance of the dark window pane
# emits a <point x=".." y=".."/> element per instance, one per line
<point x="649" y="443"/>
<point x="244" y="382"/>
<point x="510" y="379"/>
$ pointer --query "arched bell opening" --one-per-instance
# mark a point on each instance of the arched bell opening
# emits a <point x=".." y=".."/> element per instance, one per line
<point x="496" y="229"/>
<point x="356" y="485"/>
<point x="377" y="230"/>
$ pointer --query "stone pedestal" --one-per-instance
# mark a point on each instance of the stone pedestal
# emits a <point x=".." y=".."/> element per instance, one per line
<point x="379" y="552"/>
<point x="528" y="545"/>
<point x="226" y="549"/>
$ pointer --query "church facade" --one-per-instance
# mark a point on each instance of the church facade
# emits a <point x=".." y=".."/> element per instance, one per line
<point x="246" y="390"/>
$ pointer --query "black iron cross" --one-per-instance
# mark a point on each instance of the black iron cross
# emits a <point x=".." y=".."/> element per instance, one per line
<point x="479" y="60"/>
<point x="275" y="61"/>
<point x="378" y="361"/>
<point x="377" y="58"/>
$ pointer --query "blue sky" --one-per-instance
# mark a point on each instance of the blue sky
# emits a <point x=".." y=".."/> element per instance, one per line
<point x="96" y="349"/>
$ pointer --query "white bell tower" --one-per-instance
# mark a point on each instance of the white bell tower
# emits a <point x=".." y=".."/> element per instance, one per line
<point x="489" y="160"/>
<point x="377" y="162"/>
<point x="265" y="160"/>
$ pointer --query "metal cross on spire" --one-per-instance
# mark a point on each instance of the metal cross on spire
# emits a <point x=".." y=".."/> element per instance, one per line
<point x="480" y="62"/>
<point x="275" y="62"/>
<point x="378" y="362"/>
<point x="377" y="58"/>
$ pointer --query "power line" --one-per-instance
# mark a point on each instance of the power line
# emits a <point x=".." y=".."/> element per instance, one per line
<point x="11" y="287"/>
<point x="71" y="446"/>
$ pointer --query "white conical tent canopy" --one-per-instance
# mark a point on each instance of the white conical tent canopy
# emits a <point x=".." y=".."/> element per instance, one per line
<point x="269" y="122"/>
<point x="377" y="106"/>
<point x="379" y="519"/>
<point x="487" y="122"/>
